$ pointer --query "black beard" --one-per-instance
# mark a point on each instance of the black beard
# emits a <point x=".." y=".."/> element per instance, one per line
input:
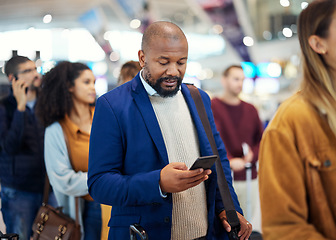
<point x="156" y="85"/>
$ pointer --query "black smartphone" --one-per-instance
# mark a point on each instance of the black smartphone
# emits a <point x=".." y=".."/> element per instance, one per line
<point x="16" y="78"/>
<point x="204" y="162"/>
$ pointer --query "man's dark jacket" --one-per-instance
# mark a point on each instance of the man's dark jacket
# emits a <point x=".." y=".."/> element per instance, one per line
<point x="21" y="148"/>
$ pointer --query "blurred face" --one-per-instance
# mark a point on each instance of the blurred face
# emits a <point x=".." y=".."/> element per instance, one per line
<point x="233" y="82"/>
<point x="84" y="88"/>
<point x="164" y="64"/>
<point x="27" y="72"/>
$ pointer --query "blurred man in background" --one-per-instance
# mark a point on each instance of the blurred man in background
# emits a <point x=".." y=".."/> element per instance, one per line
<point x="241" y="129"/>
<point x="22" y="170"/>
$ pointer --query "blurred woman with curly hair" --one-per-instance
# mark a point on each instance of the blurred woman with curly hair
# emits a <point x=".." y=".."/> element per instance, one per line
<point x="66" y="109"/>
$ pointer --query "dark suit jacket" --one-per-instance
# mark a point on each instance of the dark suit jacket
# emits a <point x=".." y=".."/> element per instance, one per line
<point x="127" y="153"/>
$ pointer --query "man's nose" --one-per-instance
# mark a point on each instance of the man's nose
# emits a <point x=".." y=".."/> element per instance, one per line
<point x="173" y="70"/>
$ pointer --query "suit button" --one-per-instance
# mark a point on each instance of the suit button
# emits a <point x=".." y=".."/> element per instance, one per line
<point x="166" y="219"/>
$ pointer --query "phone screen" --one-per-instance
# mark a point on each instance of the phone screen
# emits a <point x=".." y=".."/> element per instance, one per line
<point x="205" y="162"/>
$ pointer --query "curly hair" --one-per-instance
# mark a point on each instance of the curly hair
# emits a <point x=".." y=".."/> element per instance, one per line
<point x="54" y="100"/>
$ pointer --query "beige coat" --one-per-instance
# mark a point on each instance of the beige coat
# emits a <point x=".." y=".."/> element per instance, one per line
<point x="298" y="174"/>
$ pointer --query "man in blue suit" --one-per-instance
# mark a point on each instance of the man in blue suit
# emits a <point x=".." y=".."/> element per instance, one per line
<point x="145" y="136"/>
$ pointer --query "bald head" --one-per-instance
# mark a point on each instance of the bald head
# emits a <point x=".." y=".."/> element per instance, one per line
<point x="161" y="29"/>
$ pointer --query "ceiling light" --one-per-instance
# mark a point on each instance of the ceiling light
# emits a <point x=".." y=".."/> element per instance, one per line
<point x="107" y="35"/>
<point x="267" y="35"/>
<point x="248" y="41"/>
<point x="304" y="5"/>
<point x="47" y="18"/>
<point x="285" y="3"/>
<point x="114" y="56"/>
<point x="287" y="32"/>
<point x="218" y="29"/>
<point x="135" y="23"/>
<point x="274" y="70"/>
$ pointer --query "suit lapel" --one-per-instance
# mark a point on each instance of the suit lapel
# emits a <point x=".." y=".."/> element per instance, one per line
<point x="144" y="105"/>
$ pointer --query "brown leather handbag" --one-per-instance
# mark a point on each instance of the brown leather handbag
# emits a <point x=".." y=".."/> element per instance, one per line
<point x="52" y="224"/>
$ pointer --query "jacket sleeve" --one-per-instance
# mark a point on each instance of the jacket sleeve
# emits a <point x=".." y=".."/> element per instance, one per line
<point x="222" y="154"/>
<point x="283" y="196"/>
<point x="107" y="182"/>
<point x="61" y="175"/>
<point x="11" y="134"/>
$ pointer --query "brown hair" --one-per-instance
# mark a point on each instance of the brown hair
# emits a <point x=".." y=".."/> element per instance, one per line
<point x="128" y="71"/>
<point x="318" y="85"/>
<point x="227" y="70"/>
<point x="12" y="65"/>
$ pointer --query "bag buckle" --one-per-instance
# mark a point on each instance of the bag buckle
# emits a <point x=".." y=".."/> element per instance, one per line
<point x="44" y="217"/>
<point x="62" y="229"/>
<point x="39" y="228"/>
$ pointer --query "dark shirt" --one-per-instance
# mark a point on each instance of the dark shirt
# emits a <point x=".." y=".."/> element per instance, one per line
<point x="238" y="124"/>
<point x="21" y="148"/>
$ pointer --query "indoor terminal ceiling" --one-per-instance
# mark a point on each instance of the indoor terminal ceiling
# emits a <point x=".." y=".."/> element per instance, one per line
<point x="189" y="14"/>
<point x="23" y="14"/>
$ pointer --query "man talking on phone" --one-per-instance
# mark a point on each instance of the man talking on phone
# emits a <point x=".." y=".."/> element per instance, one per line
<point x="22" y="170"/>
<point x="145" y="136"/>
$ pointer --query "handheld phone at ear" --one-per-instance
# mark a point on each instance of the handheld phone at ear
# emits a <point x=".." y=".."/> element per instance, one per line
<point x="16" y="78"/>
<point x="205" y="162"/>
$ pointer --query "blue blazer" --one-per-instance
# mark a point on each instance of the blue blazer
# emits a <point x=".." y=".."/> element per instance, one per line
<point x="127" y="153"/>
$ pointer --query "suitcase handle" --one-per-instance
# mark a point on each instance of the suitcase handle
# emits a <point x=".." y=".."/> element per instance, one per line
<point x="10" y="236"/>
<point x="136" y="229"/>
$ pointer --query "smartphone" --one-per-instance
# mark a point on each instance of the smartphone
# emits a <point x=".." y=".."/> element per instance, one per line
<point x="16" y="78"/>
<point x="205" y="162"/>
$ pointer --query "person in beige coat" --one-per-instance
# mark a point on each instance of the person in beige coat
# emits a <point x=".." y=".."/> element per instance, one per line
<point x="298" y="149"/>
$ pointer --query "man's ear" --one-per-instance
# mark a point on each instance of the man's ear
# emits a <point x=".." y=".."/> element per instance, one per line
<point x="11" y="77"/>
<point x="141" y="56"/>
<point x="317" y="44"/>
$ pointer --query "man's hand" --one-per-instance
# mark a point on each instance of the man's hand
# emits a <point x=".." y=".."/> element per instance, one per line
<point x="245" y="226"/>
<point x="19" y="92"/>
<point x="237" y="164"/>
<point x="175" y="177"/>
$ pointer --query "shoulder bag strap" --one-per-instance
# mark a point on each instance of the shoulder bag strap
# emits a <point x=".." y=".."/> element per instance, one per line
<point x="46" y="190"/>
<point x="223" y="186"/>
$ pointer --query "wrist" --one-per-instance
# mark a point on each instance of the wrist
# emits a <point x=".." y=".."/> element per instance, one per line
<point x="21" y="108"/>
